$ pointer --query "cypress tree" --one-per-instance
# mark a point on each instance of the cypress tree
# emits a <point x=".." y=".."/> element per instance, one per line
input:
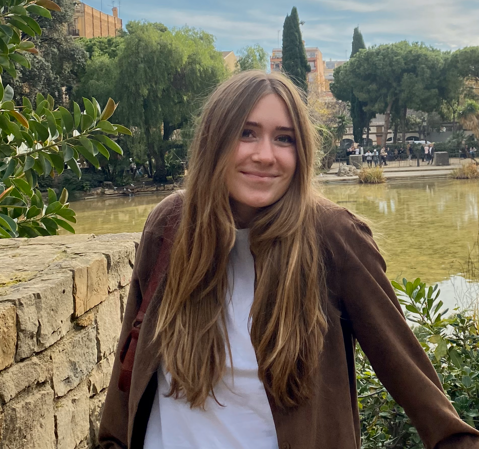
<point x="359" y="116"/>
<point x="295" y="62"/>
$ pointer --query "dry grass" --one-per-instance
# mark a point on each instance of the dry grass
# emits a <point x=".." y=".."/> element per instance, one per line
<point x="374" y="175"/>
<point x="469" y="170"/>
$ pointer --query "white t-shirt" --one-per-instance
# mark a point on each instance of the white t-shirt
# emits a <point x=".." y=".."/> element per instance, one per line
<point x="246" y="420"/>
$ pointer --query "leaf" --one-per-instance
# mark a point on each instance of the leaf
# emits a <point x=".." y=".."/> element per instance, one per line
<point x="7" y="31"/>
<point x="20" y="59"/>
<point x="32" y="24"/>
<point x="466" y="380"/>
<point x="8" y="105"/>
<point x="20" y="118"/>
<point x="50" y="225"/>
<point x="412" y="308"/>
<point x="52" y="196"/>
<point x="88" y="156"/>
<point x="441" y="350"/>
<point x="41" y="106"/>
<point x="4" y="234"/>
<point x="37" y="199"/>
<point x="97" y="106"/>
<point x="122" y="130"/>
<point x="23" y="186"/>
<point x="34" y="211"/>
<point x="48" y="4"/>
<point x="455" y="358"/>
<point x="39" y="99"/>
<point x="2" y="90"/>
<point x="52" y="123"/>
<point x="89" y="108"/>
<point x="3" y="47"/>
<point x="108" y="110"/>
<point x="57" y="162"/>
<point x="106" y="127"/>
<point x="9" y="93"/>
<point x="8" y="223"/>
<point x="10" y="169"/>
<point x="435" y="339"/>
<point x="47" y="167"/>
<point x="64" y="196"/>
<point x="86" y="143"/>
<point x="109" y="143"/>
<point x="67" y="152"/>
<point x="76" y="114"/>
<point x="73" y="164"/>
<point x="51" y="102"/>
<point x="41" y="132"/>
<point x="39" y="10"/>
<point x="17" y="23"/>
<point x="67" y="119"/>
<point x="85" y="122"/>
<point x="64" y="225"/>
<point x="101" y="149"/>
<point x="29" y="163"/>
<point x="53" y="207"/>
<point x="67" y="214"/>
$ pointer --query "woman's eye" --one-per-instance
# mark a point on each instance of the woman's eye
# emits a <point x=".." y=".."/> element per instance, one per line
<point x="247" y="133"/>
<point x="286" y="139"/>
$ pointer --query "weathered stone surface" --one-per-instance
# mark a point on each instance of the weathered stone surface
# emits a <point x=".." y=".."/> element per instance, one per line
<point x="73" y="359"/>
<point x="108" y="322"/>
<point x="100" y="377"/>
<point x="1" y="424"/>
<point x="72" y="418"/>
<point x="441" y="158"/>
<point x="120" y="266"/>
<point x="8" y="335"/>
<point x="28" y="421"/>
<point x="96" y="409"/>
<point x="61" y="240"/>
<point x="124" y="292"/>
<point x="356" y="160"/>
<point x="44" y="310"/>
<point x="22" y="375"/>
<point x="347" y="170"/>
<point x="87" y="319"/>
<point x="90" y="281"/>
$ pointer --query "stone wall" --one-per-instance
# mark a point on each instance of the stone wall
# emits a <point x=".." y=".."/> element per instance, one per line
<point x="62" y="300"/>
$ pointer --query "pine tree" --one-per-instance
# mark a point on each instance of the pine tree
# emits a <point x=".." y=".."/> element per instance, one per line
<point x="295" y="62"/>
<point x="359" y="116"/>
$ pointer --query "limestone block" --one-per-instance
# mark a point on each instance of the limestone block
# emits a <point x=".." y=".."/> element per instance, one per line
<point x="108" y="321"/>
<point x="124" y="292"/>
<point x="29" y="422"/>
<point x="441" y="158"/>
<point x="72" y="416"/>
<point x="96" y="409"/>
<point x="1" y="424"/>
<point x="73" y="359"/>
<point x="23" y="375"/>
<point x="90" y="280"/>
<point x="356" y="160"/>
<point x="8" y="334"/>
<point x="100" y="377"/>
<point x="44" y="309"/>
<point x="120" y="265"/>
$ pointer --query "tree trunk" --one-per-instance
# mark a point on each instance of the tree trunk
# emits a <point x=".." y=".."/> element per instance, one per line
<point x="453" y="122"/>
<point x="367" y="133"/>
<point x="150" y="165"/>
<point x="387" y="120"/>
<point x="404" y="126"/>
<point x="396" y="131"/>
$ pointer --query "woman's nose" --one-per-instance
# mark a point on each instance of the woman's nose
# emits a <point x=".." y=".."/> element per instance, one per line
<point x="264" y="151"/>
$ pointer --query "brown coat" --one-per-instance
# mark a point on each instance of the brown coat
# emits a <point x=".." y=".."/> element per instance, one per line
<point x="362" y="306"/>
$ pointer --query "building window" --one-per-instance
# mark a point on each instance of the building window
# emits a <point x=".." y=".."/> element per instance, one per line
<point x="277" y="54"/>
<point x="312" y="64"/>
<point x="311" y="55"/>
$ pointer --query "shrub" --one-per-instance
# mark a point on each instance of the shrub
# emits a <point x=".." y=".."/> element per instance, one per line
<point x="374" y="175"/>
<point x="469" y="170"/>
<point x="451" y="344"/>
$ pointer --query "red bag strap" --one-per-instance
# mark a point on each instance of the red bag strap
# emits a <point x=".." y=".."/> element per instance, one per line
<point x="127" y="353"/>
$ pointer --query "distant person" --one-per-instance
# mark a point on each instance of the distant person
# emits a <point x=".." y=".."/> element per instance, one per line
<point x="432" y="150"/>
<point x="375" y="157"/>
<point x="473" y="153"/>
<point x="369" y="158"/>
<point x="409" y="154"/>
<point x="383" y="155"/>
<point x="258" y="291"/>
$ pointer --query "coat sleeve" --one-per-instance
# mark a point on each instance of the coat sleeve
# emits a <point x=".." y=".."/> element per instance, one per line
<point x="114" y="425"/>
<point x="370" y="304"/>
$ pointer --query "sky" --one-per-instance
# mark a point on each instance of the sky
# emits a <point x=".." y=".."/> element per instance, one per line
<point x="329" y="24"/>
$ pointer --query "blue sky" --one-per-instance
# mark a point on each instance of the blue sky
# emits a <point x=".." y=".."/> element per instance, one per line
<point x="329" y="24"/>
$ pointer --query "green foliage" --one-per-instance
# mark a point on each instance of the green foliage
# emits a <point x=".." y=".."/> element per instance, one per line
<point x="468" y="170"/>
<point x="359" y="116"/>
<point x="57" y="60"/>
<point x="251" y="58"/>
<point x="295" y="62"/>
<point x="452" y="344"/>
<point x="42" y="140"/>
<point x="165" y="76"/>
<point x="102" y="46"/>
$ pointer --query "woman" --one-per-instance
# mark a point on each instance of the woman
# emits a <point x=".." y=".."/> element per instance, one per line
<point x="248" y="341"/>
<point x="369" y="158"/>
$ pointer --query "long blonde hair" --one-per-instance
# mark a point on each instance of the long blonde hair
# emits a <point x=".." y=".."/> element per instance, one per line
<point x="288" y="322"/>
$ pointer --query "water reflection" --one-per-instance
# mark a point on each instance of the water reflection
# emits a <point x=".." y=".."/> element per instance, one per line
<point x="425" y="229"/>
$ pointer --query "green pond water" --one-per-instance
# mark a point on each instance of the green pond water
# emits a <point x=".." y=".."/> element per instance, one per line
<point x="426" y="229"/>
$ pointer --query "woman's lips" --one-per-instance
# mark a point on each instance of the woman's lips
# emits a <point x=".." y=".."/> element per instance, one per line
<point x="259" y="175"/>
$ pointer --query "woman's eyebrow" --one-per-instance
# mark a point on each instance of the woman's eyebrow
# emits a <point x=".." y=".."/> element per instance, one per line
<point x="279" y="128"/>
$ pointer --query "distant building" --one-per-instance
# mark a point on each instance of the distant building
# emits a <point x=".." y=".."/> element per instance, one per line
<point x="315" y="60"/>
<point x="89" y="22"/>
<point x="329" y="67"/>
<point x="230" y="60"/>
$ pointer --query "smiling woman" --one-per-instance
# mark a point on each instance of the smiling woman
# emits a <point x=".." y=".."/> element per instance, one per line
<point x="248" y="294"/>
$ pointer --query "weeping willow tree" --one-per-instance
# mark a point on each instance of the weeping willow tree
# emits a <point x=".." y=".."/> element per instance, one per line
<point x="469" y="117"/>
